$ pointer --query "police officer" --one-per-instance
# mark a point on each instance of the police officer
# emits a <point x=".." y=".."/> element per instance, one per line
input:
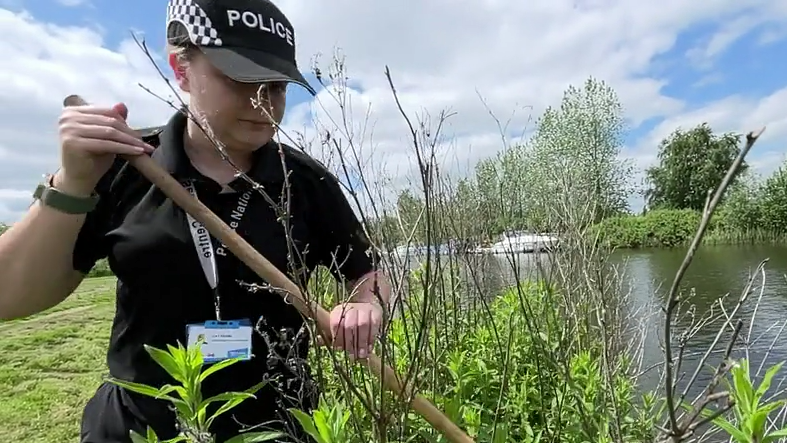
<point x="173" y="280"/>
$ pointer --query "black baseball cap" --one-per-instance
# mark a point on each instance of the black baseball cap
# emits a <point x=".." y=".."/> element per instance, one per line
<point x="250" y="41"/>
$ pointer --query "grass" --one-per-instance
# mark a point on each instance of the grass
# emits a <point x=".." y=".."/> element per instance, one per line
<point x="52" y="363"/>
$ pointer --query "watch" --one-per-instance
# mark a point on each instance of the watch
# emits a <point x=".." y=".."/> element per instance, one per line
<point x="63" y="202"/>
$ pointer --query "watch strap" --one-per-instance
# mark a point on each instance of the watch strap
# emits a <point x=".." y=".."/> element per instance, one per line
<point x="69" y="204"/>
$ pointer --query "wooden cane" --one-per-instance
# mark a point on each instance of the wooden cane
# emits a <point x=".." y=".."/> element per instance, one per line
<point x="263" y="268"/>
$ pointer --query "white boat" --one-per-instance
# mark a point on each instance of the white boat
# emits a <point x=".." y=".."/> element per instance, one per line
<point x="519" y="243"/>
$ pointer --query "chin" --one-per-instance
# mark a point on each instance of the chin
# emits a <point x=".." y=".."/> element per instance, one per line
<point x="255" y="139"/>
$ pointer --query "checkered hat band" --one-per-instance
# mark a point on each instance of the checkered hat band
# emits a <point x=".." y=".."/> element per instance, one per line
<point x="193" y="18"/>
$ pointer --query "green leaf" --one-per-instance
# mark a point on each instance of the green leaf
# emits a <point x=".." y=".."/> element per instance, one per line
<point x="307" y="424"/>
<point x="226" y="396"/>
<point x="255" y="437"/>
<point x="178" y="353"/>
<point x="257" y="387"/>
<point x="743" y="387"/>
<point x="217" y="367"/>
<point x="152" y="435"/>
<point x="733" y="432"/>
<point x="766" y="381"/>
<point x="775" y="436"/>
<point x="236" y="399"/>
<point x="182" y="406"/>
<point x="501" y="434"/>
<point x="322" y="426"/>
<point x="180" y="390"/>
<point x="142" y="389"/>
<point x="167" y="361"/>
<point x="136" y="438"/>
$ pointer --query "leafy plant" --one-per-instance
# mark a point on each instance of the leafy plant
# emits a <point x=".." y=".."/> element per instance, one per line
<point x="327" y="423"/>
<point x="185" y="365"/>
<point x="751" y="417"/>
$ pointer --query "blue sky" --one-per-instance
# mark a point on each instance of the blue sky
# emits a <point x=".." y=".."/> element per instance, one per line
<point x="749" y="66"/>
<point x="519" y="54"/>
<point x="118" y="20"/>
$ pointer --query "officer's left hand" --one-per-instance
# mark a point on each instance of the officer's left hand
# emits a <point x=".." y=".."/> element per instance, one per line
<point x="355" y="327"/>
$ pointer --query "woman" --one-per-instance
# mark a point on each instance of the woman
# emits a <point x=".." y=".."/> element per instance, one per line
<point x="172" y="282"/>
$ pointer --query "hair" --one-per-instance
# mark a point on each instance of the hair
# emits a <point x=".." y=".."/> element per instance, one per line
<point x="184" y="52"/>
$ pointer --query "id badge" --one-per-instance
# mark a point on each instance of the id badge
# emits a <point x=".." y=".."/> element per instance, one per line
<point x="222" y="340"/>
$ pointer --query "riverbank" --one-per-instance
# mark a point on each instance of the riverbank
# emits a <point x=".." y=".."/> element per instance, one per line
<point x="515" y="364"/>
<point x="676" y="228"/>
<point x="482" y="366"/>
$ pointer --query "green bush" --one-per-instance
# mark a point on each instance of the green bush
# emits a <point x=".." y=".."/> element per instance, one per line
<point x="659" y="228"/>
<point x="101" y="269"/>
<point x="507" y="373"/>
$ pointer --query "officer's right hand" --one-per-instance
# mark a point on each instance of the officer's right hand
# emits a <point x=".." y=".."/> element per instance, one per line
<point x="90" y="138"/>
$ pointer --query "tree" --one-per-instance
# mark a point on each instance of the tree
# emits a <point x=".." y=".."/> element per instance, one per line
<point x="3" y="228"/>
<point x="488" y="190"/>
<point x="742" y="206"/>
<point x="691" y="163"/>
<point x="385" y="230"/>
<point x="773" y="203"/>
<point x="465" y="207"/>
<point x="410" y="210"/>
<point x="572" y="165"/>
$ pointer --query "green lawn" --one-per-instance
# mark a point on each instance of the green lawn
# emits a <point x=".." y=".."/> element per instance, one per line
<point x="51" y="363"/>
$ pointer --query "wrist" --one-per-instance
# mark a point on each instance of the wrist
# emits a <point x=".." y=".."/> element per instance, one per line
<point x="75" y="188"/>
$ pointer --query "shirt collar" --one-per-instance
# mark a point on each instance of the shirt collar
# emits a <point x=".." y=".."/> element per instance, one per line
<point x="170" y="154"/>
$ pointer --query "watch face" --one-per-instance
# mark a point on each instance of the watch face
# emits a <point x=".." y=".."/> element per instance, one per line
<point x="39" y="191"/>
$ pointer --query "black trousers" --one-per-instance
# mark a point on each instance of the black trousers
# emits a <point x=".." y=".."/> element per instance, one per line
<point x="112" y="413"/>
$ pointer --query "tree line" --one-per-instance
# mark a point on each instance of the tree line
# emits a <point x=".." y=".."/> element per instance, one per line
<point x="574" y="162"/>
<point x="573" y="167"/>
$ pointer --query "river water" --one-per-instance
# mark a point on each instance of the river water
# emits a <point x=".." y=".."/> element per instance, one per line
<point x="715" y="271"/>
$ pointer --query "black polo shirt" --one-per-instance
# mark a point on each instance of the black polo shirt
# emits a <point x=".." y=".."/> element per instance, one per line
<point x="162" y="287"/>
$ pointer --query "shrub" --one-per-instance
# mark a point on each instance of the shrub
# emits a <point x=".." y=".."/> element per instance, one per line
<point x="101" y="269"/>
<point x="658" y="228"/>
<point x="509" y="373"/>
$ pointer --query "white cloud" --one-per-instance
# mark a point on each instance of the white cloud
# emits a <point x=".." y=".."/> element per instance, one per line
<point x="519" y="56"/>
<point x="736" y="113"/>
<point x="44" y="63"/>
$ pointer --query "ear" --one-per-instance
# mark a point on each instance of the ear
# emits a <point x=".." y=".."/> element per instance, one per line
<point x="179" y="69"/>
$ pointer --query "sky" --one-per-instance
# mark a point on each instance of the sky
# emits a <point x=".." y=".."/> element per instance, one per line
<point x="673" y="63"/>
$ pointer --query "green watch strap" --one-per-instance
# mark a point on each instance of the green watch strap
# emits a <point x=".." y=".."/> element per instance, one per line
<point x="62" y="202"/>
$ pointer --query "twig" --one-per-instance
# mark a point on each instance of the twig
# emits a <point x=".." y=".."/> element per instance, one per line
<point x="673" y="298"/>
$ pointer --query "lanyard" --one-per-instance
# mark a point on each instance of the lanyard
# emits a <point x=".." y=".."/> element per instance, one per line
<point x="204" y="245"/>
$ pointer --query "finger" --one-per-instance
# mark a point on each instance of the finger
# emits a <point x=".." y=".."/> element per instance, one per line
<point x="377" y="323"/>
<point x="92" y="140"/>
<point x="122" y="110"/>
<point x="108" y="133"/>
<point x="74" y="100"/>
<point x="347" y="329"/>
<point x="363" y="332"/>
<point x="97" y="146"/>
<point x="100" y="120"/>
<point x="113" y="111"/>
<point x="74" y="121"/>
<point x="336" y="322"/>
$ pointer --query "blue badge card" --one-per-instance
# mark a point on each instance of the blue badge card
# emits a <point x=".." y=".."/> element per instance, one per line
<point x="222" y="340"/>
